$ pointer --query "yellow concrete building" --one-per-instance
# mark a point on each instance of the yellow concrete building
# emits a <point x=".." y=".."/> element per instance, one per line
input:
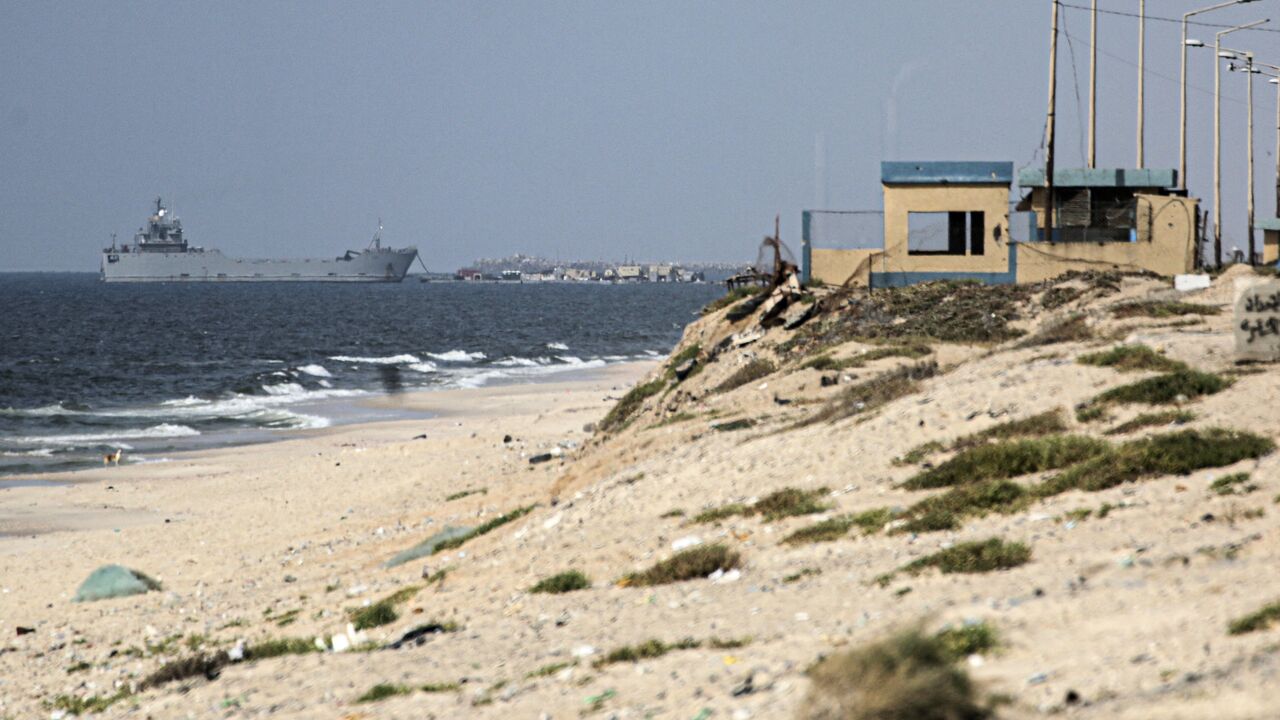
<point x="951" y="221"/>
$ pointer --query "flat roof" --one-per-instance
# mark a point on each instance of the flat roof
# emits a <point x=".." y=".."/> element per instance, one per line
<point x="945" y="172"/>
<point x="1267" y="223"/>
<point x="1101" y="177"/>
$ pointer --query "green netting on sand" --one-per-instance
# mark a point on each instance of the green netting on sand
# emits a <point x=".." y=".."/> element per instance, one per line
<point x="428" y="546"/>
<point x="113" y="581"/>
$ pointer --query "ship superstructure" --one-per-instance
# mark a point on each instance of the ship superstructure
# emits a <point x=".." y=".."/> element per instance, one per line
<point x="160" y="253"/>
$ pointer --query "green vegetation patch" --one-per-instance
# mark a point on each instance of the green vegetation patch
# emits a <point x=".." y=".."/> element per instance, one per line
<point x="824" y="362"/>
<point x="644" y="651"/>
<point x="621" y="414"/>
<point x="1176" y="453"/>
<point x="969" y="639"/>
<point x="731" y="297"/>
<point x="779" y="504"/>
<point x="484" y="529"/>
<point x="693" y="563"/>
<point x="1070" y="329"/>
<point x="689" y="353"/>
<point x="549" y="669"/>
<point x="1008" y="459"/>
<point x="1260" y="619"/>
<point x="562" y="583"/>
<point x="908" y="676"/>
<point x="823" y="531"/>
<point x="1131" y="358"/>
<point x="1233" y="484"/>
<point x="874" y="393"/>
<point x="1155" y="419"/>
<point x="277" y="647"/>
<point x="1161" y="309"/>
<point x="1177" y="386"/>
<point x="948" y="510"/>
<point x="384" y="611"/>
<point x="1049" y="422"/>
<point x="74" y="705"/>
<point x="973" y="557"/>
<point x="755" y="369"/>
<point x="465" y="493"/>
<point x="382" y="691"/>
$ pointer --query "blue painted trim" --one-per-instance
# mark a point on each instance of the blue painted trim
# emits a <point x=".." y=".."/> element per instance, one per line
<point x="1101" y="177"/>
<point x="806" y="255"/>
<point x="903" y="279"/>
<point x="1267" y="224"/>
<point x="946" y="172"/>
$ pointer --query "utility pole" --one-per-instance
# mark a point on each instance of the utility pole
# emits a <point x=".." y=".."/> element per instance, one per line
<point x="1142" y="75"/>
<point x="1217" y="137"/>
<point x="1249" y="76"/>
<point x="1093" y="84"/>
<point x="1049" y="127"/>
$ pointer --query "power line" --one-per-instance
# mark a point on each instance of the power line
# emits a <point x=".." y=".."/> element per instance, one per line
<point x="1162" y="76"/>
<point x="1075" y="85"/>
<point x="1163" y="19"/>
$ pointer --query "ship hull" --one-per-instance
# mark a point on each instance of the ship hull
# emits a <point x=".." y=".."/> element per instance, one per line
<point x="211" y="266"/>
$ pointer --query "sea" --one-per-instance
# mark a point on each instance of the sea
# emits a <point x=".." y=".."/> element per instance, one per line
<point x="87" y="367"/>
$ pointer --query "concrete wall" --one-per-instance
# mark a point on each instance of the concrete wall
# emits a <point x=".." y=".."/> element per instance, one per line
<point x="834" y="267"/>
<point x="1165" y="244"/>
<point x="1270" y="247"/>
<point x="900" y="200"/>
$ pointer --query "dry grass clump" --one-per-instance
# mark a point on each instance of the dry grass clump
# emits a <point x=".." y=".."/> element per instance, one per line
<point x="914" y="351"/>
<point x="1007" y="459"/>
<point x="690" y="564"/>
<point x="946" y="511"/>
<point x="562" y="583"/>
<point x="1233" y="484"/>
<point x="908" y="676"/>
<point x="1056" y="297"/>
<point x="731" y="297"/>
<point x="1260" y="619"/>
<point x="1145" y="420"/>
<point x="837" y="527"/>
<point x="1176" y="453"/>
<point x="484" y="529"/>
<point x="787" y="502"/>
<point x="1070" y="329"/>
<point x="878" y="391"/>
<point x="382" y="691"/>
<point x="382" y="612"/>
<point x="644" y="651"/>
<point x="689" y="353"/>
<point x="1177" y="386"/>
<point x="1130" y="358"/>
<point x="1039" y="425"/>
<point x="1161" y="309"/>
<point x="622" y="413"/>
<point x="973" y="557"/>
<point x="74" y="705"/>
<point x="970" y="639"/>
<point x="756" y="369"/>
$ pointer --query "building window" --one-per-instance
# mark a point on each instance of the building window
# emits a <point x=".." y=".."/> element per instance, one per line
<point x="946" y="233"/>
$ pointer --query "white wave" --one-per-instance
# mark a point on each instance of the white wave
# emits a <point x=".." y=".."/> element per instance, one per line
<point x="423" y="367"/>
<point x="163" y="430"/>
<point x="557" y="346"/>
<point x="284" y="389"/>
<point x="325" y="383"/>
<point x="46" y="411"/>
<point x="404" y="359"/>
<point x="652" y="353"/>
<point x="616" y="358"/>
<point x="315" y="371"/>
<point x="519" y="370"/>
<point x="517" y="362"/>
<point x="38" y="452"/>
<point x="457" y="356"/>
<point x="187" y="401"/>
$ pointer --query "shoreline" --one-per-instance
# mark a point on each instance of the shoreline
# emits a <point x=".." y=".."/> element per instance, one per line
<point x="432" y="409"/>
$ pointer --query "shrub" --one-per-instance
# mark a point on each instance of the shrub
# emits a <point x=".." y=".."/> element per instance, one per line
<point x="1176" y="386"/>
<point x="945" y="511"/>
<point x="1161" y="309"/>
<point x="562" y="583"/>
<point x="973" y="557"/>
<point x="644" y="651"/>
<point x="1233" y="484"/>
<point x="869" y="395"/>
<point x="1006" y="460"/>
<point x="824" y="531"/>
<point x="484" y="529"/>
<point x="1258" y="620"/>
<point x="730" y="298"/>
<point x="382" y="691"/>
<point x="961" y="642"/>
<point x="1071" y="329"/>
<point x="1176" y="453"/>
<point x="790" y="502"/>
<point x="695" y="562"/>
<point x="279" y="646"/>
<point x="754" y="370"/>
<point x="1127" y="358"/>
<point x="1045" y="423"/>
<point x="384" y="611"/>
<point x="909" y="676"/>
<point x="1164" y="417"/>
<point x="622" y="413"/>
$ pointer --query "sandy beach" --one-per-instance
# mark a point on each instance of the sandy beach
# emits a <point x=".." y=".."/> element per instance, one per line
<point x="1121" y="611"/>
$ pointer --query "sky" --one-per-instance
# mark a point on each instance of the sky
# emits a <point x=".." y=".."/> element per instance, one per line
<point x="577" y="130"/>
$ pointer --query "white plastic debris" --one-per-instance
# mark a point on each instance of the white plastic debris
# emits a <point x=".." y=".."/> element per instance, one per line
<point x="584" y="651"/>
<point x="720" y="577"/>
<point x="686" y="542"/>
<point x="236" y="653"/>
<point x="1187" y="283"/>
<point x="340" y="643"/>
<point x="320" y="644"/>
<point x="552" y="521"/>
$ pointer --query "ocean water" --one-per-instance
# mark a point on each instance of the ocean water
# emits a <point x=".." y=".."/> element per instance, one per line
<point x="87" y="367"/>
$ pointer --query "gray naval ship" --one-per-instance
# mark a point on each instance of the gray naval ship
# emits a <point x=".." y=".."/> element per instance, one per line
<point x="160" y="253"/>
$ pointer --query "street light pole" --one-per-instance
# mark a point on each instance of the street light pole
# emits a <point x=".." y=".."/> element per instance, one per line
<point x="1182" y="136"/>
<point x="1142" y="75"/>
<point x="1050" y="125"/>
<point x="1249" y="77"/>
<point x="1217" y="137"/>
<point x="1093" y="85"/>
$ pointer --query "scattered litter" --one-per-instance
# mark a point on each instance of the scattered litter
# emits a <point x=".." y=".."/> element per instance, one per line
<point x="25" y="630"/>
<point x="426" y="547"/>
<point x="541" y="458"/>
<point x="584" y="651"/>
<point x="113" y="581"/>
<point x="1037" y="679"/>
<point x="1187" y="283"/>
<point x="686" y="542"/>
